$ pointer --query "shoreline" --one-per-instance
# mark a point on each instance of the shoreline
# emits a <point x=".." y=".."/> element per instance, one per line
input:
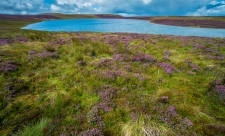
<point x="217" y="22"/>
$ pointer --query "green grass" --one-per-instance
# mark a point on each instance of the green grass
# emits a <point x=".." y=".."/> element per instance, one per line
<point x="71" y="16"/>
<point x="144" y="127"/>
<point x="35" y="129"/>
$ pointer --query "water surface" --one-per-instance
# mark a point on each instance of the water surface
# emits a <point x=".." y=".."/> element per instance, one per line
<point x="122" y="25"/>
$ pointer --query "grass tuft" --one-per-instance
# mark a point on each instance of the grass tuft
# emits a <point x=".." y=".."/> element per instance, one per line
<point x="35" y="129"/>
<point x="144" y="127"/>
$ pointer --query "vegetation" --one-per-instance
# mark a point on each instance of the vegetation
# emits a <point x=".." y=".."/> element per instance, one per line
<point x="203" y="22"/>
<point x="36" y="129"/>
<point x="109" y="83"/>
<point x="69" y="16"/>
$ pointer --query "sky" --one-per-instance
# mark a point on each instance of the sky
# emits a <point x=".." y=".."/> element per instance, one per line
<point x="121" y="7"/>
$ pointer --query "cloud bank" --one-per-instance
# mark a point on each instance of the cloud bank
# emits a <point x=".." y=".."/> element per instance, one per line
<point x="131" y="7"/>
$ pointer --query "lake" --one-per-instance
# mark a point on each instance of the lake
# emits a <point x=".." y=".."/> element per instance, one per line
<point x="122" y="25"/>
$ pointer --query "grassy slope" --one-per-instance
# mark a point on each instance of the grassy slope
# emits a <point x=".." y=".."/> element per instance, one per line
<point x="110" y="84"/>
<point x="203" y="22"/>
<point x="69" y="16"/>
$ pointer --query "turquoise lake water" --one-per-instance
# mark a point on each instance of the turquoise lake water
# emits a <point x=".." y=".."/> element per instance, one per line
<point x="122" y="25"/>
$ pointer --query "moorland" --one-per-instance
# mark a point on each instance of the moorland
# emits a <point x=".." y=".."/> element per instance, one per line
<point x="93" y="84"/>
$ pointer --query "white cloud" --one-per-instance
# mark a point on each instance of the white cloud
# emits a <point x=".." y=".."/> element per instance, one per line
<point x="61" y="2"/>
<point x="127" y="15"/>
<point x="30" y="6"/>
<point x="147" y="1"/>
<point x="23" y="13"/>
<point x="55" y="8"/>
<point x="212" y="11"/>
<point x="131" y="7"/>
<point x="20" y="6"/>
<point x="214" y="2"/>
<point x="87" y="4"/>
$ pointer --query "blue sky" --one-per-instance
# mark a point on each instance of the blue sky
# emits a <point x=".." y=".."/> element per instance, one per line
<point x="122" y="7"/>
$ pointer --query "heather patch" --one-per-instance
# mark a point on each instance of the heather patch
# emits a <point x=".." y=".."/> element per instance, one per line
<point x="44" y="54"/>
<point x="179" y="125"/>
<point x="112" y="75"/>
<point x="166" y="55"/>
<point x="145" y="58"/>
<point x="91" y="132"/>
<point x="8" y="66"/>
<point x="219" y="90"/>
<point x="4" y="41"/>
<point x="9" y="40"/>
<point x="183" y="21"/>
<point x="168" y="68"/>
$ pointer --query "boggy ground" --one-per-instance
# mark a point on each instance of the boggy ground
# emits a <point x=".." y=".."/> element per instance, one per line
<point x="109" y="83"/>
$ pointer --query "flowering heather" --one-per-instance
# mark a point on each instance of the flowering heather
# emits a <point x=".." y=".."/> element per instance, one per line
<point x="111" y="40"/>
<point x="128" y="68"/>
<point x="220" y="90"/>
<point x="32" y="52"/>
<point x="105" y="106"/>
<point x="107" y="93"/>
<point x="166" y="55"/>
<point x="191" y="73"/>
<point x="113" y="74"/>
<point x="169" y="68"/>
<point x="144" y="58"/>
<point x="193" y="66"/>
<point x="11" y="92"/>
<point x="211" y="51"/>
<point x="188" y="122"/>
<point x="104" y="62"/>
<point x="200" y="46"/>
<point x="215" y="57"/>
<point x="140" y="77"/>
<point x="10" y="40"/>
<point x="3" y="41"/>
<point x="171" y="111"/>
<point x="91" y="132"/>
<point x="8" y="67"/>
<point x="22" y="39"/>
<point x="169" y="116"/>
<point x="61" y="42"/>
<point x="125" y="39"/>
<point x="183" y="40"/>
<point x="220" y="57"/>
<point x="180" y="125"/>
<point x="205" y="23"/>
<point x="134" y="116"/>
<point x="45" y="54"/>
<point x="211" y="57"/>
<point x="120" y="57"/>
<point x="94" y="118"/>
